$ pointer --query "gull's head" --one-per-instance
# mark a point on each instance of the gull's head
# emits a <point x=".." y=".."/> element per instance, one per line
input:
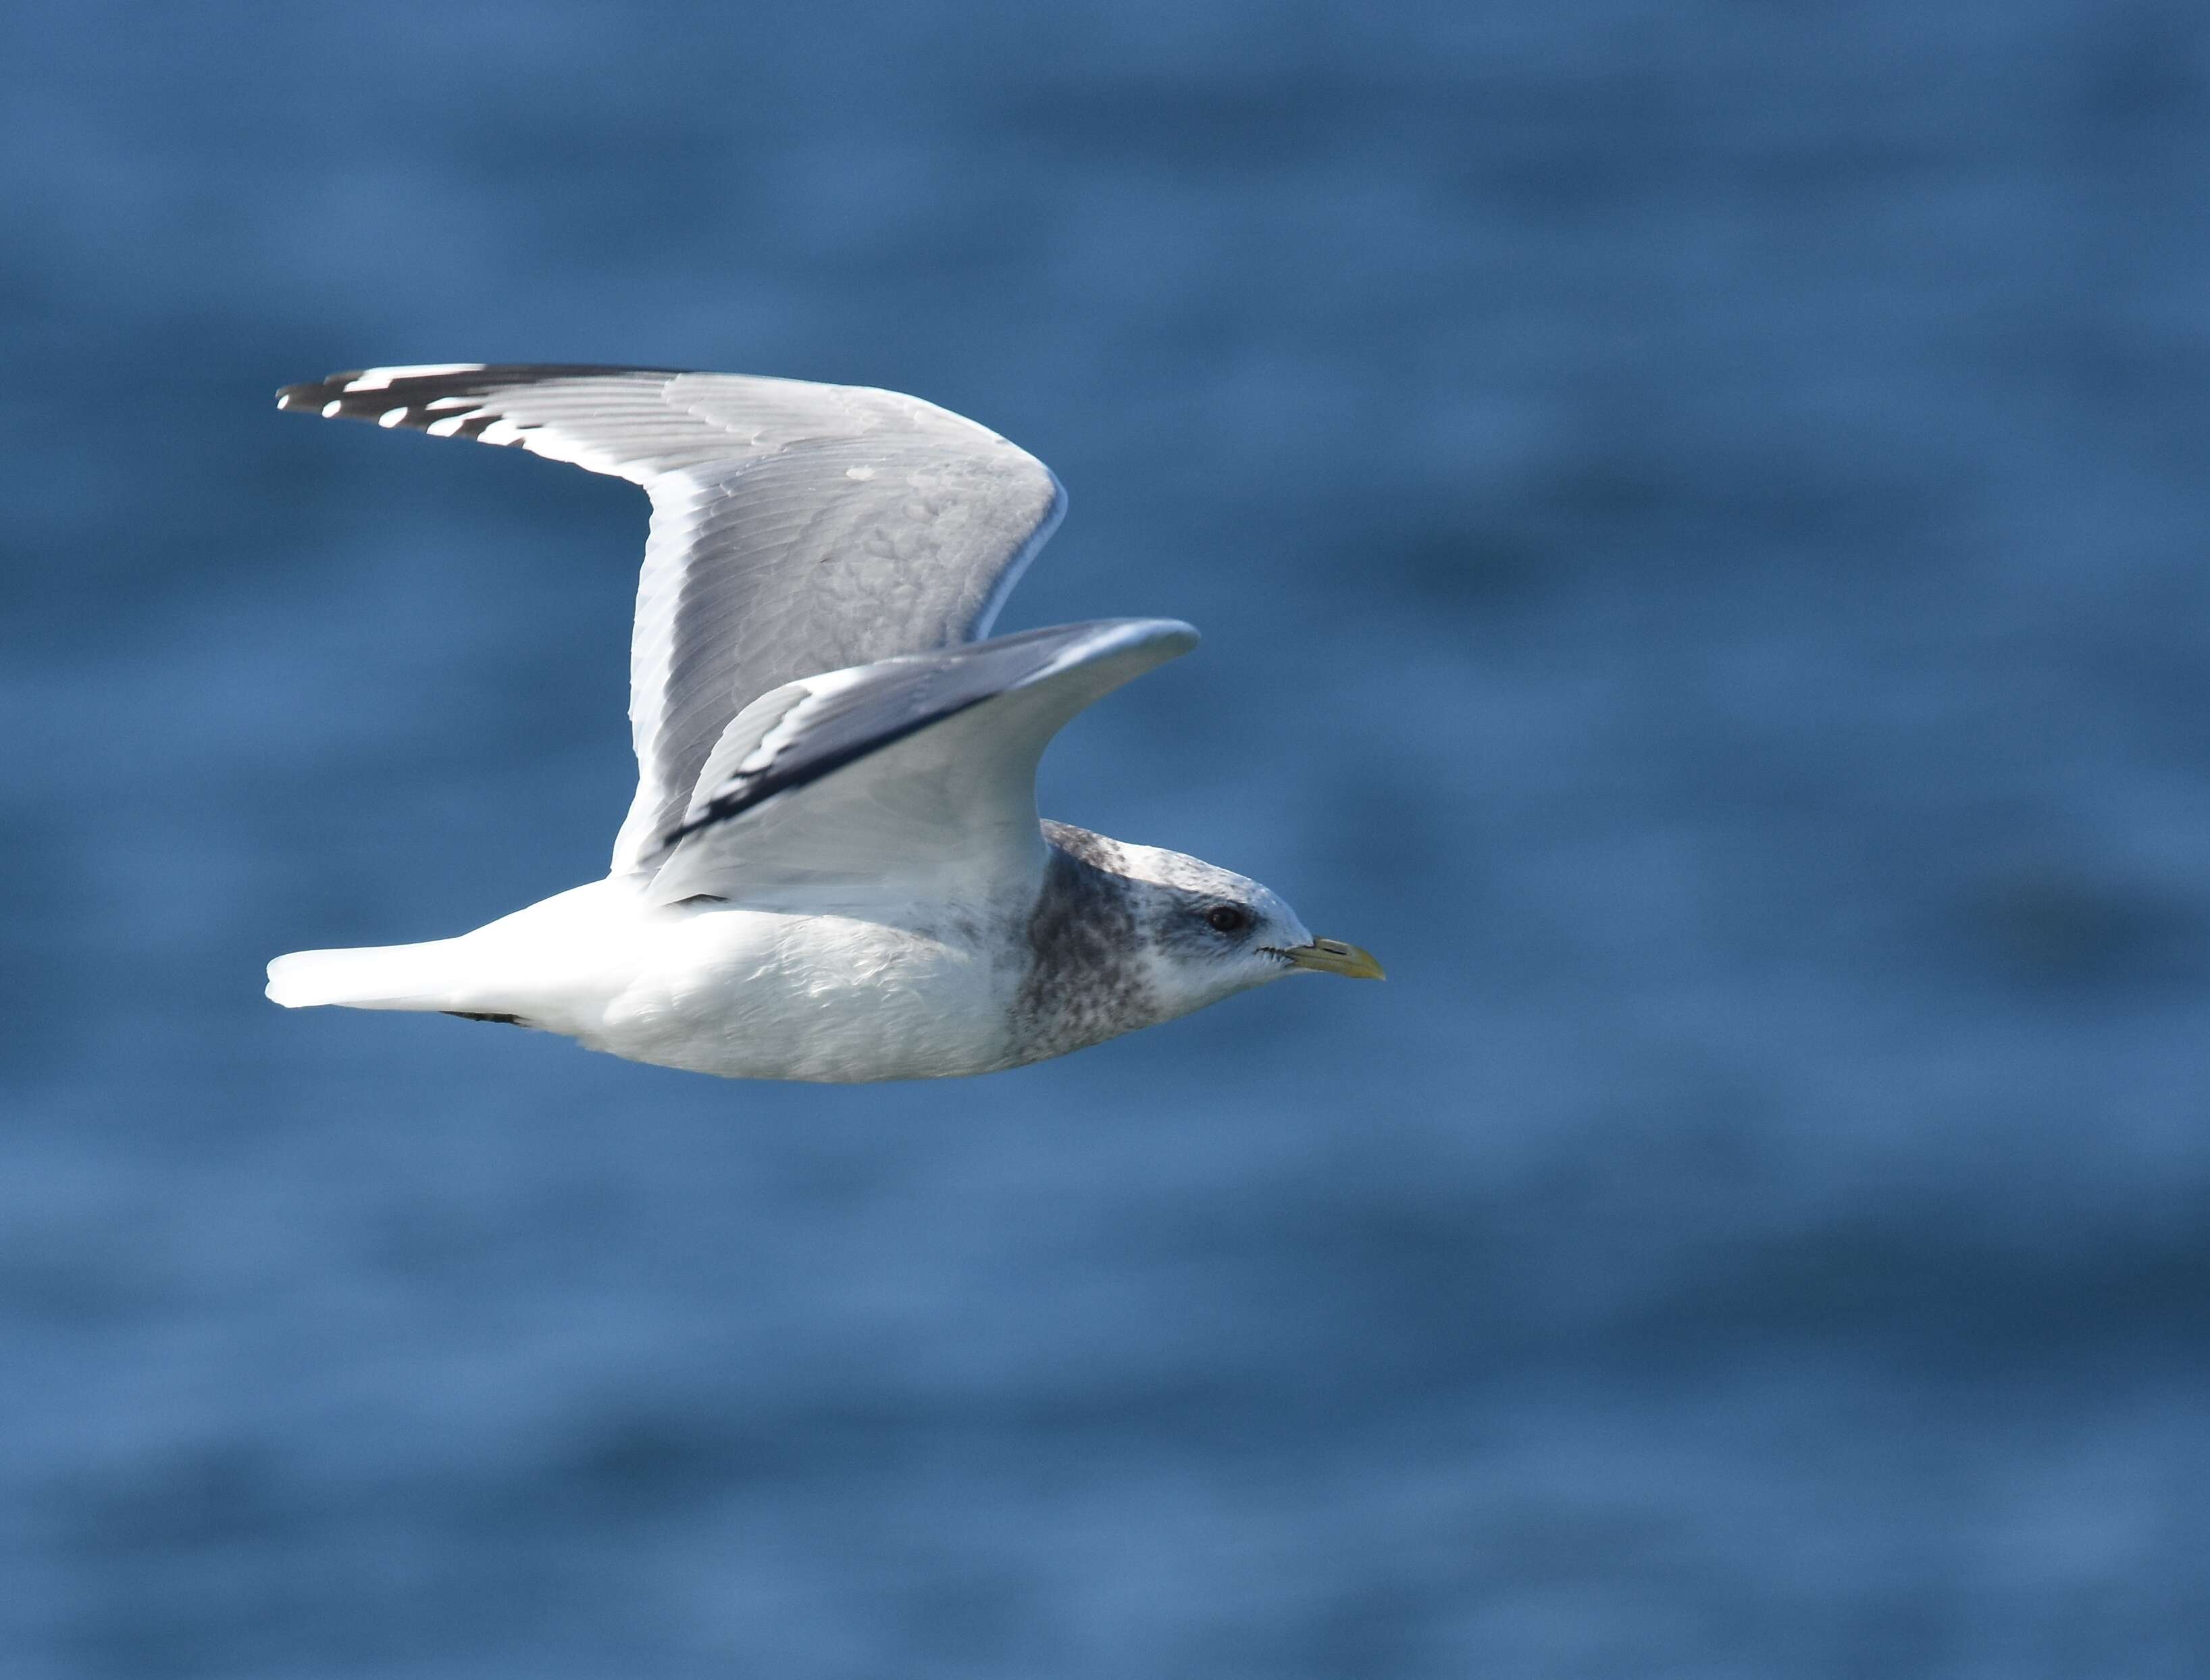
<point x="1178" y="931"/>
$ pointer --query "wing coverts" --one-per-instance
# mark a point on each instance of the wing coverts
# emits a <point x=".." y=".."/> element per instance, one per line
<point x="916" y="774"/>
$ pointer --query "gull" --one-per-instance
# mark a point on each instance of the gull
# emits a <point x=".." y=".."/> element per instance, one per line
<point x="833" y="869"/>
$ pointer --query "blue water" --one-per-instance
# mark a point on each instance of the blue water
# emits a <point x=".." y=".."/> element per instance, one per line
<point x="1699" y="514"/>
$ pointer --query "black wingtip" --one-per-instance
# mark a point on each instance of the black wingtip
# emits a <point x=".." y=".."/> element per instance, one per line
<point x="401" y="389"/>
<point x="414" y="387"/>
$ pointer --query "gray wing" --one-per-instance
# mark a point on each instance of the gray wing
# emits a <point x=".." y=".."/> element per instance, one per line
<point x="796" y="528"/>
<point x="912" y="779"/>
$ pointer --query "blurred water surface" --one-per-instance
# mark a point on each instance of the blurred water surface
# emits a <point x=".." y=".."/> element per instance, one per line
<point x="1698" y="515"/>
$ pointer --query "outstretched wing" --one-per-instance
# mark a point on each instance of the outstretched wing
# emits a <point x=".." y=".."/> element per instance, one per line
<point x="796" y="527"/>
<point x="912" y="779"/>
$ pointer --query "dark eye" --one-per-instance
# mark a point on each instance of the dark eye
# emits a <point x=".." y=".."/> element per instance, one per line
<point x="1227" y="919"/>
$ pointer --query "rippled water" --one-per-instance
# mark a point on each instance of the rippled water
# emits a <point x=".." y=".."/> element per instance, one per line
<point x="1699" y="516"/>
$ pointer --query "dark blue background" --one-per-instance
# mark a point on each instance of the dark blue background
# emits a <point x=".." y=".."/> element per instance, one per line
<point x="1699" y="515"/>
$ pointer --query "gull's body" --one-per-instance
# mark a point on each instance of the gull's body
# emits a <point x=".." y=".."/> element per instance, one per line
<point x="745" y="993"/>
<point x="833" y="869"/>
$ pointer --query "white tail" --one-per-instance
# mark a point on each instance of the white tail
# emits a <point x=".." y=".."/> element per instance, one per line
<point x="369" y="977"/>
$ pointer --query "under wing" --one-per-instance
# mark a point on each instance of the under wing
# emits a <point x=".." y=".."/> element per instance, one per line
<point x="796" y="527"/>
<point x="912" y="777"/>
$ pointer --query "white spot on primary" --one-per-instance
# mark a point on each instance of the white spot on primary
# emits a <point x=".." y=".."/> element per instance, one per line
<point x="500" y="430"/>
<point x="330" y="409"/>
<point x="450" y="424"/>
<point x="378" y="379"/>
<point x="392" y="417"/>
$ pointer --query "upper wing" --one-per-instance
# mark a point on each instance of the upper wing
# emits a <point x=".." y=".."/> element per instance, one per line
<point x="796" y="527"/>
<point x="913" y="778"/>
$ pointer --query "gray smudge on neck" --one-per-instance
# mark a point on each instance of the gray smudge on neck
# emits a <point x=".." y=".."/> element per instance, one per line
<point x="1086" y="980"/>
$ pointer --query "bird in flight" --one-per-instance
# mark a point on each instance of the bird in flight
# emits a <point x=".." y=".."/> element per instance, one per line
<point x="833" y="869"/>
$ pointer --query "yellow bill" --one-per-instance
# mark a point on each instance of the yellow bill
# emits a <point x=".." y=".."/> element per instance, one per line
<point x="1332" y="956"/>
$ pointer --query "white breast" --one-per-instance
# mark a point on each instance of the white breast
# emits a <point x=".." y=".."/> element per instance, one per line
<point x="752" y="994"/>
<point x="869" y="993"/>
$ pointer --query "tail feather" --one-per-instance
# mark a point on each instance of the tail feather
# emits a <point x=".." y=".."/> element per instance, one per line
<point x="370" y="977"/>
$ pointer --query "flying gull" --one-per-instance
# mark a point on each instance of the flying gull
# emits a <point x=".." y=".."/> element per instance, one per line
<point x="833" y="868"/>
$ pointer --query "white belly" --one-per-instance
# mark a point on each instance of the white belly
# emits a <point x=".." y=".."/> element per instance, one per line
<point x="755" y="994"/>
